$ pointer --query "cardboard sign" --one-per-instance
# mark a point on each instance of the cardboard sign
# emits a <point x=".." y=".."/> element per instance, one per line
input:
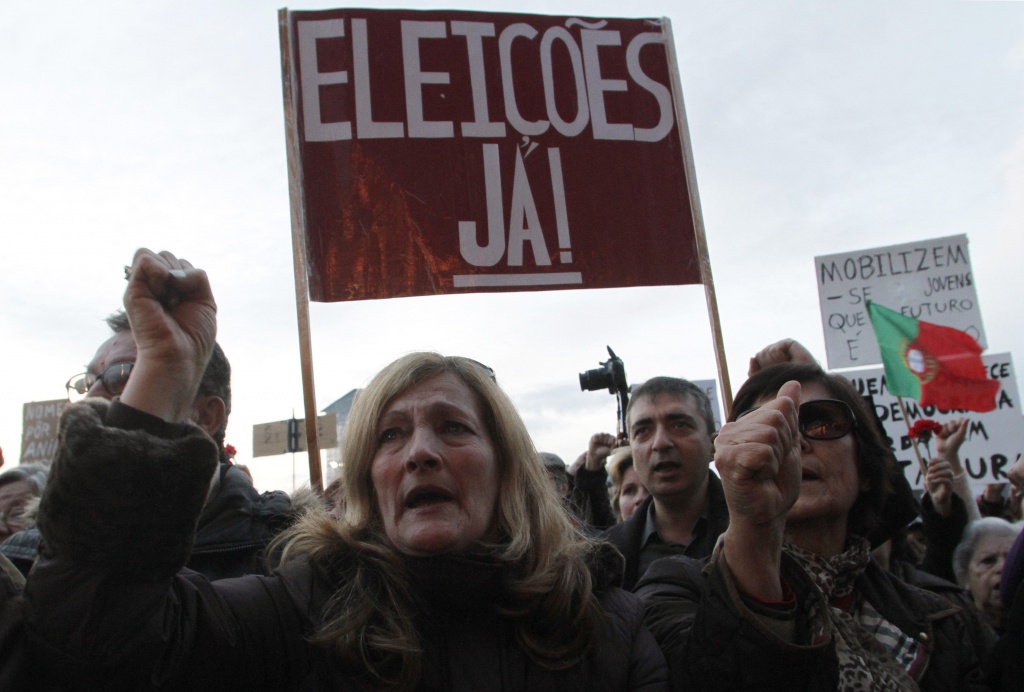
<point x="284" y="436"/>
<point x="448" y="151"/>
<point x="710" y="388"/>
<point x="994" y="439"/>
<point x="39" y="430"/>
<point x="930" y="280"/>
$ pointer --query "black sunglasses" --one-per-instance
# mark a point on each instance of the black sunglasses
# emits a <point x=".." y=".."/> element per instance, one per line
<point x="113" y="378"/>
<point x="486" y="368"/>
<point x="823" y="419"/>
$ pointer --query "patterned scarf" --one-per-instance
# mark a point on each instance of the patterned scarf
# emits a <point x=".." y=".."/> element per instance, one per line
<point x="873" y="654"/>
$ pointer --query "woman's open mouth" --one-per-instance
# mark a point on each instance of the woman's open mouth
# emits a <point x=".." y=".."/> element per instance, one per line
<point x="427" y="496"/>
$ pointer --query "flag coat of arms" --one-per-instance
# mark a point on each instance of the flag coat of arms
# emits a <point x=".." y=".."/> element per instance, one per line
<point x="935" y="365"/>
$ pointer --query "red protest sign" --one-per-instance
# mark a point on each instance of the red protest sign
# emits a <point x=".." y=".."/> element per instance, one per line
<point x="446" y="152"/>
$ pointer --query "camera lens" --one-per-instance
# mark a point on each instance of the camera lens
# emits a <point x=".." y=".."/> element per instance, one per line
<point x="593" y="380"/>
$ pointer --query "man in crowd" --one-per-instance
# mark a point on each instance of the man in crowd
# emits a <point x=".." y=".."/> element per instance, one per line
<point x="671" y="431"/>
<point x="237" y="522"/>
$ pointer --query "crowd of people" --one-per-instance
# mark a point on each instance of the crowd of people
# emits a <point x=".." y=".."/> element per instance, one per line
<point x="452" y="555"/>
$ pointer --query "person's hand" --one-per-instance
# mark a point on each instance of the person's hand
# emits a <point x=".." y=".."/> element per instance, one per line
<point x="948" y="442"/>
<point x="174" y="322"/>
<point x="939" y="485"/>
<point x="1016" y="473"/>
<point x="601" y="445"/>
<point x="993" y="493"/>
<point x="758" y="459"/>
<point x="1016" y="497"/>
<point x="784" y="351"/>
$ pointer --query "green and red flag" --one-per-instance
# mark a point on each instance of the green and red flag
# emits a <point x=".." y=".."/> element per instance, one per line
<point x="935" y="365"/>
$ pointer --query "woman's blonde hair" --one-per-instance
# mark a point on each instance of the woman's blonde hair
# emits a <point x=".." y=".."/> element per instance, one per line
<point x="619" y="461"/>
<point x="549" y="593"/>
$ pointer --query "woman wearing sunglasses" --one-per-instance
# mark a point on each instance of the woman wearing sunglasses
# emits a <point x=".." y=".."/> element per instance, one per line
<point x="791" y="598"/>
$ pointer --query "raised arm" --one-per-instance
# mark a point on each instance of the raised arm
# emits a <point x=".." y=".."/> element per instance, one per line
<point x="947" y="448"/>
<point x="783" y="351"/>
<point x="174" y="321"/>
<point x="729" y="624"/>
<point x="588" y="482"/>
<point x="111" y="606"/>
<point x="758" y="458"/>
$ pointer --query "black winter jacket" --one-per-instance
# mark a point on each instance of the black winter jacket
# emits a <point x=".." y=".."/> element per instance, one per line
<point x="628" y="535"/>
<point x="713" y="641"/>
<point x="236" y="525"/>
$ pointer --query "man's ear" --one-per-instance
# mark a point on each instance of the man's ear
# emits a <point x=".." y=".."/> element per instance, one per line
<point x="209" y="413"/>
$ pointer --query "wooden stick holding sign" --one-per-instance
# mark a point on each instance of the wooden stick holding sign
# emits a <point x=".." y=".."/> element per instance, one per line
<point x="298" y="209"/>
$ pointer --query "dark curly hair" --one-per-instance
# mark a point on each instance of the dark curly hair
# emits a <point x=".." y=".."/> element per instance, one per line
<point x="875" y="461"/>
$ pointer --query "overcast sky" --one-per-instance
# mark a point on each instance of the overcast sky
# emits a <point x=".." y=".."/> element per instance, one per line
<point x="817" y="128"/>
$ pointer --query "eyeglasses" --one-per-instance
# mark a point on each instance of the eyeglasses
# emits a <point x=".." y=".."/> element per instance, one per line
<point x="113" y="378"/>
<point x="823" y="419"/>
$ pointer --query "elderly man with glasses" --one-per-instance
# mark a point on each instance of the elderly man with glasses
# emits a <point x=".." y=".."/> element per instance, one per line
<point x="237" y="522"/>
<point x="109" y="370"/>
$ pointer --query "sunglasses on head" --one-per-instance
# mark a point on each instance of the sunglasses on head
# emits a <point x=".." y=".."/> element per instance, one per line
<point x="823" y="419"/>
<point x="113" y="378"/>
<point x="486" y="368"/>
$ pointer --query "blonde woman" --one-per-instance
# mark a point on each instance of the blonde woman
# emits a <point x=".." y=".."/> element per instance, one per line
<point x="628" y="490"/>
<point x="453" y="567"/>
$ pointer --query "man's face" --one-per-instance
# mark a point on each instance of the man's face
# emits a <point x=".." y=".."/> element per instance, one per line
<point x="671" y="445"/>
<point x="119" y="348"/>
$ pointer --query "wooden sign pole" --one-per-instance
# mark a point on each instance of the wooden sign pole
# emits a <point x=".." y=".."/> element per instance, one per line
<point x="298" y="213"/>
<point x="698" y="219"/>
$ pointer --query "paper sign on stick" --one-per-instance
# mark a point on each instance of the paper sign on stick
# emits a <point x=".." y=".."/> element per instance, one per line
<point x="39" y="430"/>
<point x="994" y="439"/>
<point x="710" y="388"/>
<point x="930" y="280"/>
<point x="284" y="436"/>
<point x="448" y="151"/>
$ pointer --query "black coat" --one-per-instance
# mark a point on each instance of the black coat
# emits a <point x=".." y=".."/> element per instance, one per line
<point x="713" y="641"/>
<point x="236" y="525"/>
<point x="628" y="535"/>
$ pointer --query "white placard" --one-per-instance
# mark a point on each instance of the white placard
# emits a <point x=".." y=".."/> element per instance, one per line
<point x="930" y="280"/>
<point x="39" y="430"/>
<point x="994" y="439"/>
<point x="710" y="388"/>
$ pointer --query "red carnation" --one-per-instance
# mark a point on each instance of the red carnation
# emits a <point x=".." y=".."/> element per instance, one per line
<point x="230" y="451"/>
<point x="924" y="429"/>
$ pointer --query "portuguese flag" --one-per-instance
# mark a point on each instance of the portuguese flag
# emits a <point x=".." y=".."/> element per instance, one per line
<point x="937" y="366"/>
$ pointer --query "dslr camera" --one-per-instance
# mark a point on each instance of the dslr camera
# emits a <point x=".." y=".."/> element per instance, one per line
<point x="611" y="376"/>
